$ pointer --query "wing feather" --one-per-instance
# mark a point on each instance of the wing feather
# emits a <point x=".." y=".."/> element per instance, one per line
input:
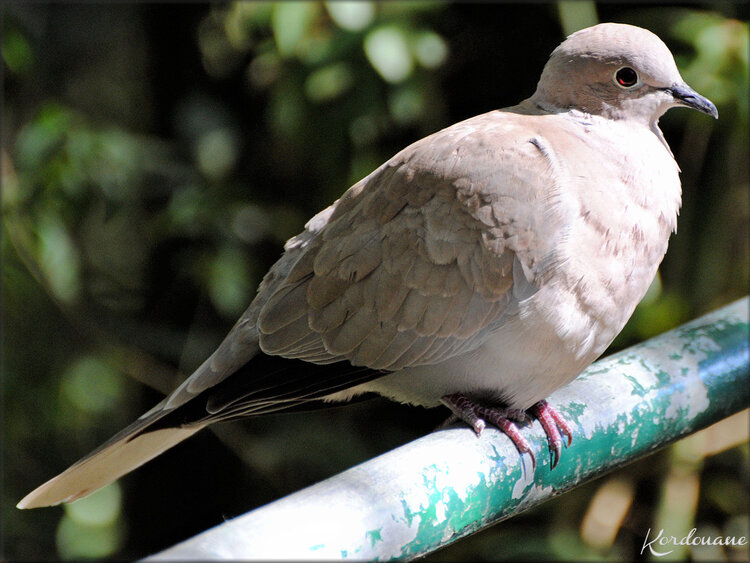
<point x="422" y="259"/>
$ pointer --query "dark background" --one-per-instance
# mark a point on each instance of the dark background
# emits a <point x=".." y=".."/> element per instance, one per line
<point x="156" y="156"/>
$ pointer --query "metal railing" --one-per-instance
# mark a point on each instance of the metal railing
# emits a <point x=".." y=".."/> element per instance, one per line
<point x="444" y="486"/>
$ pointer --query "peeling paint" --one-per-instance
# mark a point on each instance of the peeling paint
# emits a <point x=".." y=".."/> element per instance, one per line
<point x="522" y="484"/>
<point x="374" y="536"/>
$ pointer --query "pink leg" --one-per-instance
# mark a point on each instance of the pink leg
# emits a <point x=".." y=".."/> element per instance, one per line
<point x="464" y="409"/>
<point x="503" y="418"/>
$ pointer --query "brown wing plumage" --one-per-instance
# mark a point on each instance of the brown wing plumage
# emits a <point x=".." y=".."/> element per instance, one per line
<point x="416" y="261"/>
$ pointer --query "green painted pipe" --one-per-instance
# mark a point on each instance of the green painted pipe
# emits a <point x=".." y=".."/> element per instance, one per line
<point x="435" y="490"/>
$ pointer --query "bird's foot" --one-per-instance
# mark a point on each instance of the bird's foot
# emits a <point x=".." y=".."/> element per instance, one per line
<point x="554" y="425"/>
<point x="477" y="416"/>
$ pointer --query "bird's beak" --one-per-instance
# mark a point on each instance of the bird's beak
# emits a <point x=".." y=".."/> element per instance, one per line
<point x="684" y="95"/>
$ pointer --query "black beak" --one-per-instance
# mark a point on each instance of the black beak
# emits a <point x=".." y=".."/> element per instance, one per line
<point x="686" y="96"/>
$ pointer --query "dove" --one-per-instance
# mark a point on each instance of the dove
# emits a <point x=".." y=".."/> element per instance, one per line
<point x="481" y="268"/>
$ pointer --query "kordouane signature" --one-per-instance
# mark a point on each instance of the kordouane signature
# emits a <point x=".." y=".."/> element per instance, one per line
<point x="662" y="541"/>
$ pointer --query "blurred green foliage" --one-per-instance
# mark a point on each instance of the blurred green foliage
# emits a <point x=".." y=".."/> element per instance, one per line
<point x="92" y="528"/>
<point x="155" y="158"/>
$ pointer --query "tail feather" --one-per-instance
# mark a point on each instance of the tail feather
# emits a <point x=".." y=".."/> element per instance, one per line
<point x="258" y="387"/>
<point x="125" y="452"/>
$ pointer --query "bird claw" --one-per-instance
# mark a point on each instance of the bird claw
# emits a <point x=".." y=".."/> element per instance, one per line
<point x="477" y="416"/>
<point x="553" y="424"/>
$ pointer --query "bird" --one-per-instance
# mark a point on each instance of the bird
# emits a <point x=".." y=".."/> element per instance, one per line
<point x="480" y="268"/>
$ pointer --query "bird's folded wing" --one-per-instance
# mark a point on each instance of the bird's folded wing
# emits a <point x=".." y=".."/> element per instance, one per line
<point x="419" y="260"/>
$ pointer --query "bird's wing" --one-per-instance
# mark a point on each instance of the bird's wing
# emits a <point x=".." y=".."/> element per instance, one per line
<point x="421" y="259"/>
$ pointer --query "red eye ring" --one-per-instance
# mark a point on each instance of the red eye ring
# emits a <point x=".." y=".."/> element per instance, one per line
<point x="626" y="77"/>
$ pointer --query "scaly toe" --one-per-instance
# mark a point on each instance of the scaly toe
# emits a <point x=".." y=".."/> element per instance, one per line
<point x="553" y="423"/>
<point x="503" y="418"/>
<point x="464" y="409"/>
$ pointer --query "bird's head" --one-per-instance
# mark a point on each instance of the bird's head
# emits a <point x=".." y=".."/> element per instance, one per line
<point x="617" y="71"/>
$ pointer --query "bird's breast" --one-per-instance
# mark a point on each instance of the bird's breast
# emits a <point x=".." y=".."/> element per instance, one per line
<point x="621" y="207"/>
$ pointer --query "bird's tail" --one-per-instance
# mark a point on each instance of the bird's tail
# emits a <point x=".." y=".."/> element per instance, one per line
<point x="124" y="452"/>
<point x="207" y="396"/>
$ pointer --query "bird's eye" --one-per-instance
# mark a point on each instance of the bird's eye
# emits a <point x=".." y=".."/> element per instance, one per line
<point x="626" y="77"/>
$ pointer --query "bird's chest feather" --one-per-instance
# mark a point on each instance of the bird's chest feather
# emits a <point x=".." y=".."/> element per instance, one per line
<point x="620" y="207"/>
